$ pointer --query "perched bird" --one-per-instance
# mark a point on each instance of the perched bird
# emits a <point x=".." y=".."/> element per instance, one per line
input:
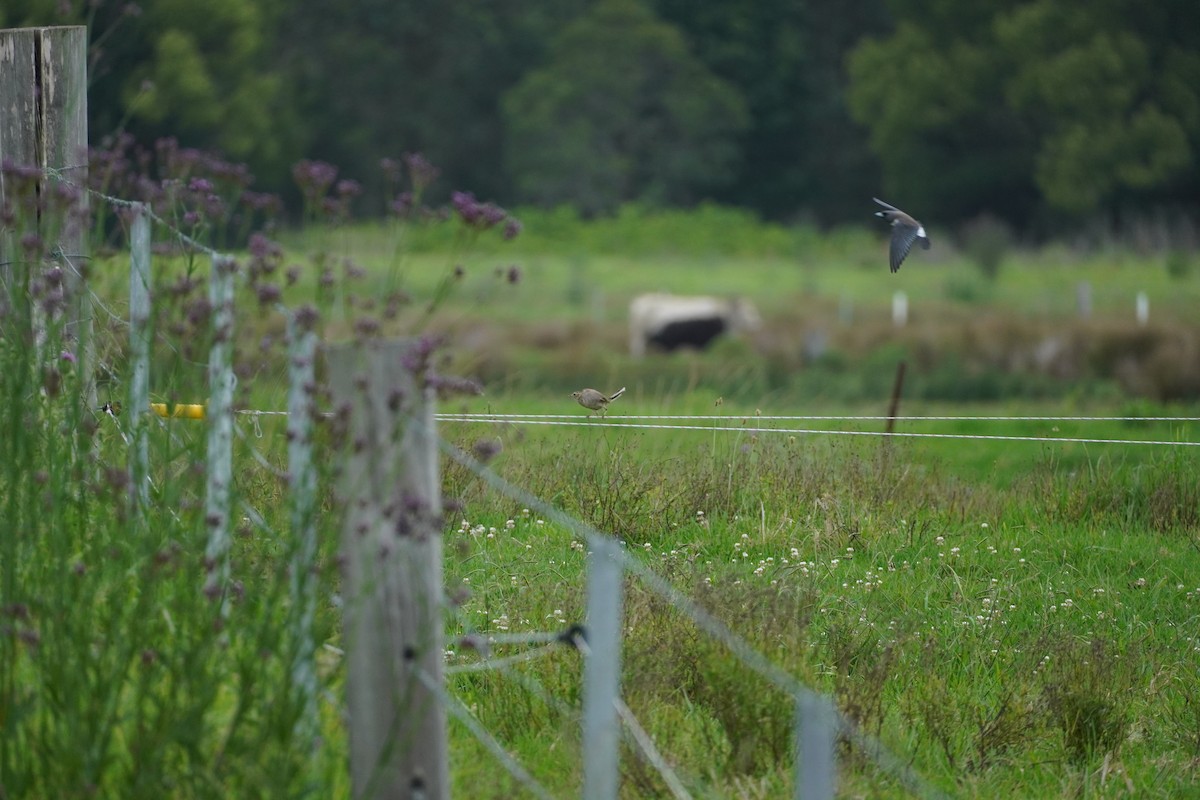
<point x="596" y="401"/>
<point x="905" y="231"/>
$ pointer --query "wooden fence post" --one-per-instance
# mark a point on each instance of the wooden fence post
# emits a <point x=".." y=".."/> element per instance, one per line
<point x="1083" y="299"/>
<point x="139" y="361"/>
<point x="43" y="124"/>
<point x="219" y="414"/>
<point x="897" y="388"/>
<point x="392" y="556"/>
<point x="602" y="672"/>
<point x="816" y="739"/>
<point x="302" y="480"/>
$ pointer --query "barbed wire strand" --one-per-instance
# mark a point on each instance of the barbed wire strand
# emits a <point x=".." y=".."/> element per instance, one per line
<point x="142" y="205"/>
<point x="460" y="711"/>
<point x="825" y="432"/>
<point x="739" y="647"/>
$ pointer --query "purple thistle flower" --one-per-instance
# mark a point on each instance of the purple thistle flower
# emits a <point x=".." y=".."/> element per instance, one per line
<point x="466" y="206"/>
<point x="403" y="204"/>
<point x="486" y="449"/>
<point x="421" y="171"/>
<point x="307" y="317"/>
<point x="491" y="214"/>
<point x="392" y="170"/>
<point x="313" y="178"/>
<point x="268" y="293"/>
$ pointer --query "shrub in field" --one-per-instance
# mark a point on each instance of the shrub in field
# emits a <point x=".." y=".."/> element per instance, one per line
<point x="987" y="241"/>
<point x="1086" y="689"/>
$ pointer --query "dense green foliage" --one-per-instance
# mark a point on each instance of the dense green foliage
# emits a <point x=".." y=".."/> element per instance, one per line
<point x="660" y="128"/>
<point x="1041" y="112"/>
<point x="1020" y="106"/>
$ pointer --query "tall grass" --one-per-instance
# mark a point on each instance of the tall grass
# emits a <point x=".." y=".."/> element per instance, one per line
<point x="119" y="674"/>
<point x="1011" y="640"/>
<point x="1012" y="619"/>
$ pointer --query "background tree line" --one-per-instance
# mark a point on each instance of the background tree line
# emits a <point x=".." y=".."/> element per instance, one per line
<point x="1041" y="112"/>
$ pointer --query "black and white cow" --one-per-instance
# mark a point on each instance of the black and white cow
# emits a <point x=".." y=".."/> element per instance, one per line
<point x="669" y="322"/>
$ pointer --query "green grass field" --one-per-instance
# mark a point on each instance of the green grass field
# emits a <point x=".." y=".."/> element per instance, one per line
<point x="1010" y="618"/>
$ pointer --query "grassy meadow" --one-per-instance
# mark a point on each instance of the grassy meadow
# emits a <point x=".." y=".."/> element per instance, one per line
<point x="1010" y="618"/>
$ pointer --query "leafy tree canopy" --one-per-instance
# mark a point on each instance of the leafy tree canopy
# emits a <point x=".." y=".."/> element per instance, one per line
<point x="622" y="110"/>
<point x="1019" y="105"/>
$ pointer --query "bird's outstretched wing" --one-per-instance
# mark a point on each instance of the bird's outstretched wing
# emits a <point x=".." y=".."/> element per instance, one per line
<point x="885" y="205"/>
<point x="903" y="237"/>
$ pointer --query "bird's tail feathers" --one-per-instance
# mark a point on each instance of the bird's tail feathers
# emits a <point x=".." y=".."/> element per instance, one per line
<point x="885" y="205"/>
<point x="616" y="394"/>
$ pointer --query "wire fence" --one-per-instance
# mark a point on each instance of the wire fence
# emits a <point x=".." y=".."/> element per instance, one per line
<point x="605" y="715"/>
<point x="740" y="425"/>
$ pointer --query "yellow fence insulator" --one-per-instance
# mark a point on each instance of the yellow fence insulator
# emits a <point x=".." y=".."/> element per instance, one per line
<point x="184" y="410"/>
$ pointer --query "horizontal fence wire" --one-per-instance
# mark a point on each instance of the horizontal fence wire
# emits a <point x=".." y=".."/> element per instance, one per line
<point x="884" y="759"/>
<point x="736" y="428"/>
<point x="738" y="424"/>
<point x="818" y="417"/>
<point x="489" y="663"/>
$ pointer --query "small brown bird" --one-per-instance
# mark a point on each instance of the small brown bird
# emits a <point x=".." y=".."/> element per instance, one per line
<point x="905" y="231"/>
<point x="596" y="401"/>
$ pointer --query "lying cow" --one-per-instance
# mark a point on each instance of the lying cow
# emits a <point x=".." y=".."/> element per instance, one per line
<point x="669" y="322"/>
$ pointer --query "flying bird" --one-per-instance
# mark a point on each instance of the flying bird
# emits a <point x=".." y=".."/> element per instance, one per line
<point x="596" y="401"/>
<point x="905" y="231"/>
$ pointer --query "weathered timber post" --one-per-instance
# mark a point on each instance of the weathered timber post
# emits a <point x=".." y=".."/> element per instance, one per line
<point x="602" y="672"/>
<point x="302" y="480"/>
<point x="139" y="361"/>
<point x="899" y="309"/>
<point x="392" y="556"/>
<point x="897" y="388"/>
<point x="1083" y="299"/>
<point x="219" y="459"/>
<point x="816" y="742"/>
<point x="43" y="124"/>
